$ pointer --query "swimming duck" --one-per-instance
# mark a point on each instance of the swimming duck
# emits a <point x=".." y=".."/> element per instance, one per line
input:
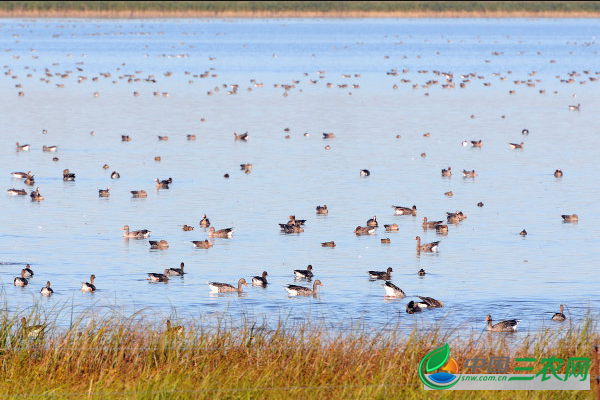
<point x="139" y="193"/>
<point x="174" y="330"/>
<point x="516" y="145"/>
<point x="141" y="234"/>
<point x="455" y="217"/>
<point x="412" y="308"/>
<point x="304" y="273"/>
<point x="558" y="173"/>
<point x="155" y="277"/>
<point x="572" y="108"/>
<point x="29" y="179"/>
<point x="570" y="218"/>
<point x="36" y="196"/>
<point x="294" y="221"/>
<point x="421" y="272"/>
<point x="115" y="175"/>
<point x="441" y="228"/>
<point x="449" y="194"/>
<point x="103" y="192"/>
<point x="218" y="287"/>
<point x="469" y="174"/>
<point x="188" y="228"/>
<point x="17" y="192"/>
<point x="164" y="184"/>
<point x="202" y="244"/>
<point x="373" y="222"/>
<point x="32" y="331"/>
<point x="365" y="172"/>
<point x="246" y="167"/>
<point x="177" y="271"/>
<point x="328" y="244"/>
<point x="191" y="137"/>
<point x="163" y="138"/>
<point x="47" y="290"/>
<point x="295" y="290"/>
<point x="105" y="166"/>
<point x="260" y="280"/>
<point x="399" y="210"/>
<point x="287" y="228"/>
<point x="476" y="143"/>
<point x="447" y="172"/>
<point x="391" y="228"/>
<point x="221" y="233"/>
<point x="559" y="316"/>
<point x="364" y="230"/>
<point x="430" y="224"/>
<point x="427" y="247"/>
<point x="392" y="290"/>
<point x="386" y="241"/>
<point x="89" y="286"/>
<point x="24" y="147"/>
<point x="205" y="222"/>
<point x="243" y="136"/>
<point x="68" y="176"/>
<point x="322" y="210"/>
<point x="429" y="302"/>
<point x="49" y="148"/>
<point x="523" y="233"/>
<point x="328" y="135"/>
<point x="502" y="326"/>
<point x="162" y="244"/>
<point x="20" y="175"/>
<point x="387" y="275"/>
<point x="28" y="271"/>
<point x="125" y="138"/>
<point x="525" y="132"/>
<point x="480" y="204"/>
<point x="21" y="280"/>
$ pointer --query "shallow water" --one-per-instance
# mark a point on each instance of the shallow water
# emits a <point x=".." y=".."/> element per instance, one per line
<point x="483" y="266"/>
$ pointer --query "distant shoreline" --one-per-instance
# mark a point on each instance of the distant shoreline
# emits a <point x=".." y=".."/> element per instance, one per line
<point x="150" y="14"/>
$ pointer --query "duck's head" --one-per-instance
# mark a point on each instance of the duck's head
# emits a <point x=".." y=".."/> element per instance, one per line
<point x="390" y="270"/>
<point x="488" y="318"/>
<point x="264" y="274"/>
<point x="125" y="228"/>
<point x="242" y="281"/>
<point x="309" y="268"/>
<point x="318" y="283"/>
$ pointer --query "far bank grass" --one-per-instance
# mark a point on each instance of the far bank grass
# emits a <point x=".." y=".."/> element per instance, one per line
<point x="127" y="358"/>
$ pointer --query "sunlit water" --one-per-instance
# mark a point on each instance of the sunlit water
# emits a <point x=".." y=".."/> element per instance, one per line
<point x="483" y="265"/>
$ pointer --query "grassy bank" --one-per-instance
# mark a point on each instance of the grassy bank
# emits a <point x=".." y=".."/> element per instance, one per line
<point x="116" y="357"/>
<point x="224" y="9"/>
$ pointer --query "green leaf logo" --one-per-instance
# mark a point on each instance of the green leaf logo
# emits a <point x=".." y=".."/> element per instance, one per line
<point x="437" y="358"/>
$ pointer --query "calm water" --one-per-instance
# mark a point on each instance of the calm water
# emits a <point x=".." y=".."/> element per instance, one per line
<point x="483" y="266"/>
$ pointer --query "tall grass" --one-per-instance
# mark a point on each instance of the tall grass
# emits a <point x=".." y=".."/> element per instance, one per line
<point x="116" y="357"/>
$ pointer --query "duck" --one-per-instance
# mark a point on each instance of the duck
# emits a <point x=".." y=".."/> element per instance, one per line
<point x="447" y="172"/>
<point x="523" y="233"/>
<point x="365" y="172"/>
<point x="429" y="302"/>
<point x="399" y="210"/>
<point x="177" y="271"/>
<point x="221" y="233"/>
<point x="391" y="227"/>
<point x="328" y="244"/>
<point x="387" y="275"/>
<point x="244" y="136"/>
<point x="164" y="184"/>
<point x="17" y="192"/>
<point x="191" y="137"/>
<point x="322" y="209"/>
<point x="36" y="196"/>
<point x="125" y="138"/>
<point x="430" y="224"/>
<point x="20" y="175"/>
<point x="421" y="272"/>
<point x="202" y="244"/>
<point x="115" y="175"/>
<point x="141" y="234"/>
<point x="138" y="194"/>
<point x="260" y="280"/>
<point x="287" y="228"/>
<point x="476" y="143"/>
<point x="294" y="221"/>
<point x="572" y="108"/>
<point x="516" y="145"/>
<point x="174" y="330"/>
<point x="465" y="143"/>
<point x="455" y="217"/>
<point x="21" y="280"/>
<point x="89" y="286"/>
<point x="441" y="228"/>
<point x="525" y="132"/>
<point x="558" y="173"/>
<point x="246" y="167"/>
<point x="156" y="277"/>
<point x="449" y="194"/>
<point x="469" y="174"/>
<point x="163" y="138"/>
<point x="364" y="230"/>
<point x="162" y="244"/>
<point x="502" y="326"/>
<point x="104" y="192"/>
<point x="105" y="166"/>
<point x="28" y="271"/>
<point x="386" y="241"/>
<point x="373" y="222"/>
<point x="328" y="135"/>
<point x="559" y="316"/>
<point x="188" y="228"/>
<point x="29" y="179"/>
<point x="480" y="204"/>
<point x="24" y="147"/>
<point x="218" y="287"/>
<point x="570" y="218"/>
<point x="68" y="176"/>
<point x="304" y="273"/>
<point x="412" y="308"/>
<point x="32" y="331"/>
<point x="392" y="290"/>
<point x="205" y="223"/>
<point x="49" y="148"/>
<point x="47" y="290"/>
<point x="295" y="290"/>
<point x="427" y="247"/>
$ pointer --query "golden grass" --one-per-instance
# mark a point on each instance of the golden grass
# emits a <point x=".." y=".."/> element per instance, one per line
<point x="116" y="357"/>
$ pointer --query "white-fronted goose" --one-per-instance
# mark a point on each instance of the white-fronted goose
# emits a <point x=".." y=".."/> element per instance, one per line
<point x="36" y="196"/>
<point x="392" y="290"/>
<point x="399" y="210"/>
<point x="218" y="287"/>
<point x="205" y="223"/>
<point x="570" y="218"/>
<point x="47" y="290"/>
<point x="428" y="247"/>
<point x="177" y="271"/>
<point x="24" y="147"/>
<point x="516" y="145"/>
<point x="21" y="280"/>
<point x="469" y="174"/>
<point x="502" y="326"/>
<point x="49" y="148"/>
<point x="244" y="136"/>
<point x="559" y="316"/>
<point x="391" y="228"/>
<point x="202" y="244"/>
<point x="89" y="286"/>
<point x="260" y="280"/>
<point x="68" y="175"/>
<point x="295" y="290"/>
<point x="447" y="172"/>
<point x="141" y="234"/>
<point x="322" y="210"/>
<point x="115" y="175"/>
<point x="373" y="222"/>
<point x="558" y="173"/>
<point x="156" y="277"/>
<point x="104" y="192"/>
<point x="328" y="244"/>
<point x="430" y="224"/>
<point x="221" y="233"/>
<point x="139" y="194"/>
<point x="304" y="273"/>
<point x="364" y="230"/>
<point x="159" y="244"/>
<point x="17" y="192"/>
<point x="387" y="275"/>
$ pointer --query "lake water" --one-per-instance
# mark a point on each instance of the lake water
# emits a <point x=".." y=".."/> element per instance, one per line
<point x="483" y="265"/>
